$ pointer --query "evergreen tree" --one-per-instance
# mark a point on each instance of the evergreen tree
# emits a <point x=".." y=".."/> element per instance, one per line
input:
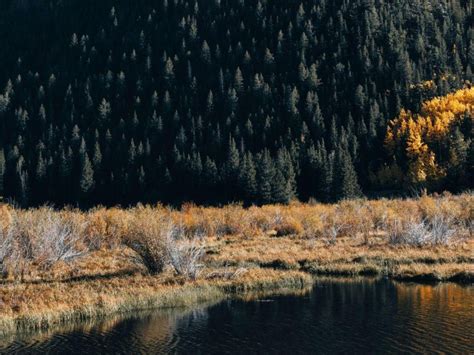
<point x="248" y="178"/>
<point x="345" y="182"/>
<point x="279" y="188"/>
<point x="86" y="182"/>
<point x="292" y="84"/>
<point x="265" y="176"/>
<point x="210" y="177"/>
<point x="231" y="169"/>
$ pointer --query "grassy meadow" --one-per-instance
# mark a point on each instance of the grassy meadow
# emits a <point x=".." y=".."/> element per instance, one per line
<point x="57" y="266"/>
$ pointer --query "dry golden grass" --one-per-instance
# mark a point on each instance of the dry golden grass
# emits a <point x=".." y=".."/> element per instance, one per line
<point x="59" y="302"/>
<point x="267" y="248"/>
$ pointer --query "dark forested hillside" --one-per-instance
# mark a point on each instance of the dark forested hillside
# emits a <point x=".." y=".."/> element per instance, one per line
<point x="119" y="101"/>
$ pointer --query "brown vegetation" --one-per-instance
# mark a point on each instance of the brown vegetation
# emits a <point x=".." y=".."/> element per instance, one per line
<point x="62" y="265"/>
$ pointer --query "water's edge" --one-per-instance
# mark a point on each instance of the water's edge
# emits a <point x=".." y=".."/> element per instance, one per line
<point x="332" y="314"/>
<point x="186" y="296"/>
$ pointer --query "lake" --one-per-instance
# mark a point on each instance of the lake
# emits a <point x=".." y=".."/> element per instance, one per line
<point x="336" y="315"/>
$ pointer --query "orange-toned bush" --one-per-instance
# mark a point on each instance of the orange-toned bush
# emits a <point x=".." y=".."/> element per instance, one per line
<point x="107" y="227"/>
<point x="196" y="221"/>
<point x="289" y="227"/>
<point x="228" y="220"/>
<point x="285" y="225"/>
<point x="259" y="219"/>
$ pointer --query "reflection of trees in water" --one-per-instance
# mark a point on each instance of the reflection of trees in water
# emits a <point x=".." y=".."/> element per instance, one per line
<point x="408" y="317"/>
<point x="449" y="295"/>
<point x="442" y="309"/>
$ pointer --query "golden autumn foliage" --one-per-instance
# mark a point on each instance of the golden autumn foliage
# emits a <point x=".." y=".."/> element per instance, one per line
<point x="418" y="136"/>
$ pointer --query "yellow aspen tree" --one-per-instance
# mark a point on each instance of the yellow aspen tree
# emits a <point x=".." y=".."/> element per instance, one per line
<point x="417" y="136"/>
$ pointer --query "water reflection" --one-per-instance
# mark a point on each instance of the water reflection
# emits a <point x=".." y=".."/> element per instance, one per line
<point x="356" y="316"/>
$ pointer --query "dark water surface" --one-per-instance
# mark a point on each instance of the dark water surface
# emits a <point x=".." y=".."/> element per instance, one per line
<point x="356" y="316"/>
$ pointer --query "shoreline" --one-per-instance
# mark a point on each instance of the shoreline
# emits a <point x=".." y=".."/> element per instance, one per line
<point x="154" y="294"/>
<point x="158" y="295"/>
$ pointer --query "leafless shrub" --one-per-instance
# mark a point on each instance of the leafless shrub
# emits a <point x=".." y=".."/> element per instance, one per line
<point x="47" y="237"/>
<point x="278" y="217"/>
<point x="333" y="228"/>
<point x="285" y="225"/>
<point x="59" y="239"/>
<point x="438" y="230"/>
<point x="417" y="233"/>
<point x="411" y="232"/>
<point x="442" y="230"/>
<point x="6" y="248"/>
<point x="395" y="231"/>
<point x="41" y="238"/>
<point x="106" y="228"/>
<point x="365" y="222"/>
<point x="184" y="254"/>
<point x="380" y="221"/>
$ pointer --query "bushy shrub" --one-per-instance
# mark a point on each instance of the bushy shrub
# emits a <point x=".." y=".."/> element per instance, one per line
<point x="438" y="230"/>
<point x="146" y="237"/>
<point x="42" y="238"/>
<point x="158" y="241"/>
<point x="288" y="226"/>
<point x="106" y="228"/>
<point x="442" y="229"/>
<point x="229" y="220"/>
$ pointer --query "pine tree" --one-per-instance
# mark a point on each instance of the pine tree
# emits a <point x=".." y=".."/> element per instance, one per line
<point x="231" y="168"/>
<point x="238" y="81"/>
<point x="280" y="193"/>
<point x="248" y="178"/>
<point x="169" y="71"/>
<point x="285" y="165"/>
<point x="86" y="182"/>
<point x="210" y="176"/>
<point x="293" y="100"/>
<point x="305" y="79"/>
<point x="265" y="175"/>
<point x="345" y="182"/>
<point x="232" y="161"/>
<point x="38" y="188"/>
<point x="97" y="158"/>
<point x="21" y="182"/>
<point x="104" y="110"/>
<point x="458" y="155"/>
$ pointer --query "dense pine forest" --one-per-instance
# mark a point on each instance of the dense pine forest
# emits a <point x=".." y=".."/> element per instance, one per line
<point x="212" y="101"/>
